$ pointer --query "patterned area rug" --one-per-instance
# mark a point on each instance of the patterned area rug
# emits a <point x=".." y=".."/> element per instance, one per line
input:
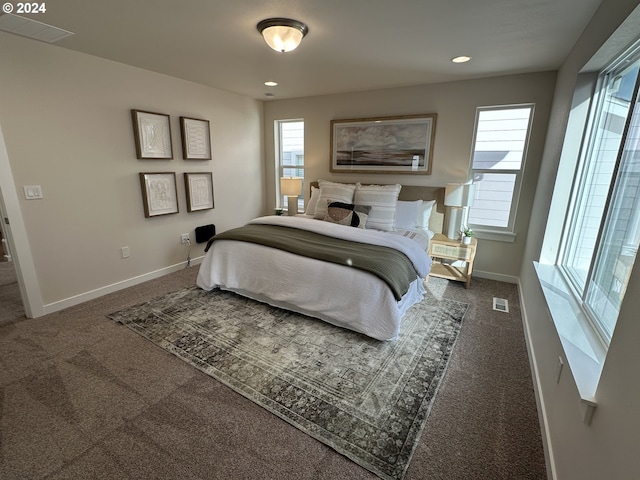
<point x="367" y="399"/>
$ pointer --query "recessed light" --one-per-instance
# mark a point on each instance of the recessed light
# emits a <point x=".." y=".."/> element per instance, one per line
<point x="461" y="59"/>
<point x="271" y="84"/>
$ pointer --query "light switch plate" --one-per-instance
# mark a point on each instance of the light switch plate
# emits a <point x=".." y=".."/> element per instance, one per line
<point x="32" y="192"/>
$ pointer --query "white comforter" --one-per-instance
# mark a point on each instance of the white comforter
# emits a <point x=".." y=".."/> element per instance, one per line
<point x="338" y="294"/>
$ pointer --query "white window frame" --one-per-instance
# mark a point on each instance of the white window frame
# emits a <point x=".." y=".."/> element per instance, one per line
<point x="581" y="291"/>
<point x="506" y="233"/>
<point x="582" y="347"/>
<point x="281" y="200"/>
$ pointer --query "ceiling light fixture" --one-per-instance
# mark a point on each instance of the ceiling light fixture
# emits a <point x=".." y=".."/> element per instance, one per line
<point x="282" y="34"/>
<point x="271" y="84"/>
<point x="461" y="59"/>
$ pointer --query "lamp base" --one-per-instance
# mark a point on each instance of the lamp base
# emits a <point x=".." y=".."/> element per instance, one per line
<point x="454" y="222"/>
<point x="292" y="202"/>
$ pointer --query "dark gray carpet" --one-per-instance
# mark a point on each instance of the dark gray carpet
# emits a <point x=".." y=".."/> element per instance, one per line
<point x="367" y="399"/>
<point x="82" y="396"/>
<point x="11" y="307"/>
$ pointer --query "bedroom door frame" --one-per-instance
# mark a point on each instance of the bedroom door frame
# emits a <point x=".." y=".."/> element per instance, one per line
<point x="15" y="232"/>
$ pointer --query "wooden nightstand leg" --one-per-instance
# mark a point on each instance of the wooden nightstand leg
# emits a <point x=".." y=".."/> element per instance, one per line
<point x="469" y="270"/>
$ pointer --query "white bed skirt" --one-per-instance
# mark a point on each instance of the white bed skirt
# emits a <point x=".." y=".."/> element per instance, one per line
<point x="337" y="294"/>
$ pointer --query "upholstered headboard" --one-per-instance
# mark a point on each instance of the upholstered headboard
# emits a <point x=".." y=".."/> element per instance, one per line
<point x="413" y="192"/>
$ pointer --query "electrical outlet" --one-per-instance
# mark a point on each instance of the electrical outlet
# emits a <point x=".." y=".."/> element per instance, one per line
<point x="184" y="238"/>
<point x="125" y="252"/>
<point x="32" y="192"/>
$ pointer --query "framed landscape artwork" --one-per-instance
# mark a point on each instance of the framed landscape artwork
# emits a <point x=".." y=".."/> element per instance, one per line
<point x="402" y="144"/>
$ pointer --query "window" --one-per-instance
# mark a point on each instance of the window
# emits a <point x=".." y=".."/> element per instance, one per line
<point x="501" y="138"/>
<point x="289" y="156"/>
<point x="602" y="232"/>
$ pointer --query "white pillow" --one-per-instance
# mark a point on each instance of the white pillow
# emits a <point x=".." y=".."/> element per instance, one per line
<point x="332" y="192"/>
<point x="313" y="201"/>
<point x="407" y="214"/>
<point x="383" y="200"/>
<point x="424" y="213"/>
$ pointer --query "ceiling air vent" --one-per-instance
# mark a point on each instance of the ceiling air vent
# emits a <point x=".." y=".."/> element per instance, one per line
<point x="31" y="28"/>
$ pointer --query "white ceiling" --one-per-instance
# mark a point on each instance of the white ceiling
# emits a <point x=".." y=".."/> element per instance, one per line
<point x="352" y="44"/>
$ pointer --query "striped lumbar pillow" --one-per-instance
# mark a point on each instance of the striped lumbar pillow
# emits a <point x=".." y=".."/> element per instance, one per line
<point x="383" y="200"/>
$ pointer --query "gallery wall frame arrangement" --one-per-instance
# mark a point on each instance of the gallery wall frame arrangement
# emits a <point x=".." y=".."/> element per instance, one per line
<point x="198" y="187"/>
<point x="152" y="133"/>
<point x="196" y="139"/>
<point x="395" y="144"/>
<point x="159" y="193"/>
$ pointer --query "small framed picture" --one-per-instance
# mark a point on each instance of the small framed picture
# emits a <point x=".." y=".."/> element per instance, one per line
<point x="199" y="190"/>
<point x="159" y="193"/>
<point x="196" y="139"/>
<point x="152" y="133"/>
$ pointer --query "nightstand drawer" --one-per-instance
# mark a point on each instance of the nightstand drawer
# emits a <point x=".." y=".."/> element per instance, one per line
<point x="450" y="251"/>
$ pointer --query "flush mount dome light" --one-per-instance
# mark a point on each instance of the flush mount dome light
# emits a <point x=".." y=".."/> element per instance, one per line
<point x="282" y="34"/>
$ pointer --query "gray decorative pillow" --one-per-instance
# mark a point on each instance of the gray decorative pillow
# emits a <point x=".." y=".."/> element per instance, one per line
<point x="347" y="214"/>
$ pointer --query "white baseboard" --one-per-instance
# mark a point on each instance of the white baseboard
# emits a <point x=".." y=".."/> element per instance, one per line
<point x="542" y="412"/>
<point x="99" y="292"/>
<point x="499" y="277"/>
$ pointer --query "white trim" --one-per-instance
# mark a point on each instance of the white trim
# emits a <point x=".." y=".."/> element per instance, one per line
<point x="537" y="387"/>
<point x="581" y="347"/>
<point x="99" y="292"/>
<point x="499" y="277"/>
<point x="17" y="238"/>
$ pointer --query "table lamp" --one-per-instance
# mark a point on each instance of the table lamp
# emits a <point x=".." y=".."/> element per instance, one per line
<point x="291" y="187"/>
<point x="458" y="197"/>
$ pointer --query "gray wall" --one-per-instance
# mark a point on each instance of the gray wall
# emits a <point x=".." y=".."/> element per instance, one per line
<point x="66" y="122"/>
<point x="608" y="447"/>
<point x="455" y="103"/>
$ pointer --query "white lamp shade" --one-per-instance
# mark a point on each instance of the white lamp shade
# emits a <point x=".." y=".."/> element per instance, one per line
<point x="291" y="186"/>
<point x="459" y="194"/>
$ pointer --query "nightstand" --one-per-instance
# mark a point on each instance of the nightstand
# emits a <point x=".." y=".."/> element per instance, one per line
<point x="443" y="248"/>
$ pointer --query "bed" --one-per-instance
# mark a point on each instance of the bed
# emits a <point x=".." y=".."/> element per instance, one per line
<point x="267" y="259"/>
